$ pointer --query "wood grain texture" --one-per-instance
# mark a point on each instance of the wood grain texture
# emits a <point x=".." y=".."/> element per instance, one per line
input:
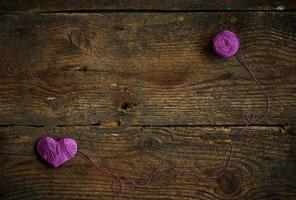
<point x="135" y="5"/>
<point x="135" y="82"/>
<point x="144" y="69"/>
<point x="263" y="167"/>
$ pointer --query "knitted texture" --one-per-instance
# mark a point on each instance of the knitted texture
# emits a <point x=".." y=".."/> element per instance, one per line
<point x="56" y="152"/>
<point x="226" y="43"/>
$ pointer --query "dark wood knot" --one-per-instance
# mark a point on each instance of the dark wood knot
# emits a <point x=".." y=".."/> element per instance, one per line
<point x="79" y="39"/>
<point x="229" y="183"/>
<point x="147" y="142"/>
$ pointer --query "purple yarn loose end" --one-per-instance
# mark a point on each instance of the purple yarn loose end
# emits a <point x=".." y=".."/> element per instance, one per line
<point x="226" y="44"/>
<point x="56" y="152"/>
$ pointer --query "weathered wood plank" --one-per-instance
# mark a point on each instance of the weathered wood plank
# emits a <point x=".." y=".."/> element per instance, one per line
<point x="134" y="5"/>
<point x="263" y="167"/>
<point x="92" y="98"/>
<point x="134" y="42"/>
<point x="143" y="69"/>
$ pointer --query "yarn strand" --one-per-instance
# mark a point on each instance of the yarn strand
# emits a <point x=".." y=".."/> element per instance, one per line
<point x="244" y="63"/>
<point x="106" y="172"/>
<point x="250" y="118"/>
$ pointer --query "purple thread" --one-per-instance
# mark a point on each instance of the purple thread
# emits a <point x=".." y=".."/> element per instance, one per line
<point x="251" y="120"/>
<point x="226" y="44"/>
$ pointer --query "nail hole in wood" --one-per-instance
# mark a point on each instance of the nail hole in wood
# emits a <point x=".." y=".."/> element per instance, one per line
<point x="128" y="106"/>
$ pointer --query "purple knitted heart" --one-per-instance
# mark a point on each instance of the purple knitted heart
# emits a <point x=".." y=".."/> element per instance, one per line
<point x="56" y="152"/>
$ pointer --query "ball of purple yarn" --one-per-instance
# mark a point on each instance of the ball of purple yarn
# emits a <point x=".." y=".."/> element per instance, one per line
<point x="226" y="43"/>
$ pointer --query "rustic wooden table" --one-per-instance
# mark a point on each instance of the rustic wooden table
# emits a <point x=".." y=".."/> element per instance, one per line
<point x="135" y="82"/>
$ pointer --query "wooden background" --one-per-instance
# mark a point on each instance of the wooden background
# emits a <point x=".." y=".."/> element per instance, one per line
<point x="135" y="82"/>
